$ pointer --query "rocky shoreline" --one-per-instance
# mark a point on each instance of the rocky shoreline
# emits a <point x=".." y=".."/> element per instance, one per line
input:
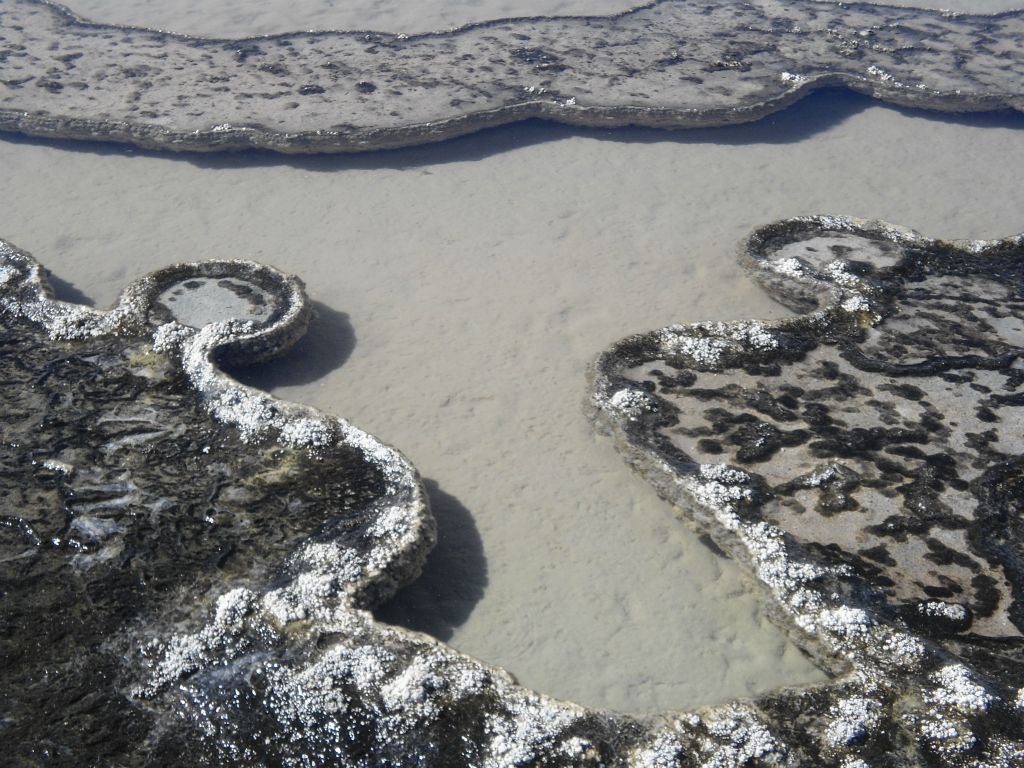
<point x="670" y="64"/>
<point x="252" y="643"/>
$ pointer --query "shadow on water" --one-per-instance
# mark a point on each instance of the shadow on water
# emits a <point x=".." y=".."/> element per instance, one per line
<point x="454" y="577"/>
<point x="326" y="346"/>
<point x="817" y="112"/>
<point x="455" y="574"/>
<point x="65" y="291"/>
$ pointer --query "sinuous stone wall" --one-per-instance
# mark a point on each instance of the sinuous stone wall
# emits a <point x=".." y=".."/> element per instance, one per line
<point x="865" y="461"/>
<point x="187" y="563"/>
<point x="671" y="64"/>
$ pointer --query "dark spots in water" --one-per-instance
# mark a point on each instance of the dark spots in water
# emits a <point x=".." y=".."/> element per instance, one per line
<point x="69" y="59"/>
<point x="759" y="441"/>
<point x="858" y="441"/>
<point x="906" y="451"/>
<point x="542" y="61"/>
<point x="669" y="383"/>
<point x="789" y="396"/>
<point x="880" y="554"/>
<point x="763" y="401"/>
<point x="908" y="391"/>
<point x="943" y="592"/>
<point x="984" y="413"/>
<point x="275" y="68"/>
<point x="980" y="441"/>
<point x="986" y="595"/>
<point x="760" y="368"/>
<point x="710" y="544"/>
<point x="243" y="53"/>
<point x="828" y="370"/>
<point x="942" y="554"/>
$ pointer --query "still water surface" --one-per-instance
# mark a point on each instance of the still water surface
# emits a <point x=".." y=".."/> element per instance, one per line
<point x="463" y="289"/>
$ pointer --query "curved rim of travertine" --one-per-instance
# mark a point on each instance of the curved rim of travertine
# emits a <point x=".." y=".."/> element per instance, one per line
<point x="366" y="137"/>
<point x="326" y="141"/>
<point x="135" y="303"/>
<point x="267" y="340"/>
<point x="680" y="484"/>
<point x="256" y="414"/>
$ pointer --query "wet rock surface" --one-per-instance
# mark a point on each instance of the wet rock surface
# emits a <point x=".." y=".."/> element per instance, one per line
<point x="187" y="563"/>
<point x="671" y="64"/>
<point x="131" y="500"/>
<point x="865" y="460"/>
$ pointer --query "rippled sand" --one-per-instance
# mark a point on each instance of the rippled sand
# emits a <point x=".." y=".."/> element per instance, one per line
<point x="465" y="287"/>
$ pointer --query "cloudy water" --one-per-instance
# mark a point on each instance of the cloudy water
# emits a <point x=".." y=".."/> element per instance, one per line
<point x="463" y="289"/>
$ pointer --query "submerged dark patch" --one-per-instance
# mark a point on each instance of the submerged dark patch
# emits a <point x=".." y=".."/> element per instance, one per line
<point x="186" y="562"/>
<point x="886" y="450"/>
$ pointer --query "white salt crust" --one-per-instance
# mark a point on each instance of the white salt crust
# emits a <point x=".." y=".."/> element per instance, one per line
<point x="940" y="609"/>
<point x="885" y="660"/>
<point x="852" y="720"/>
<point x="955" y="688"/>
<point x="706" y="343"/>
<point x="632" y="403"/>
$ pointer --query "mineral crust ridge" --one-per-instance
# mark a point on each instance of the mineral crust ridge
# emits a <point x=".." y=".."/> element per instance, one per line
<point x="865" y="461"/>
<point x="670" y="64"/>
<point x="188" y="564"/>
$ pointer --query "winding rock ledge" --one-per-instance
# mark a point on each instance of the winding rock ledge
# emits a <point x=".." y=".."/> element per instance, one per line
<point x="212" y="552"/>
<point x="671" y="64"/>
<point x="865" y="461"/>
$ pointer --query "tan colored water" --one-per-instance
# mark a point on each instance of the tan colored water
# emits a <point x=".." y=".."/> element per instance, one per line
<point x="465" y="288"/>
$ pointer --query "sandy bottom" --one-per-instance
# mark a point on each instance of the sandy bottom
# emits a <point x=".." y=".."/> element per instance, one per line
<point x="239" y="18"/>
<point x="464" y="288"/>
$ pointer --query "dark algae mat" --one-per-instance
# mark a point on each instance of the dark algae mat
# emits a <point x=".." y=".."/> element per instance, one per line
<point x="187" y="564"/>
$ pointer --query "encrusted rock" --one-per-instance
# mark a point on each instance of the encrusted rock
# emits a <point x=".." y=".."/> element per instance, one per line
<point x="186" y="563"/>
<point x="671" y="64"/>
<point x="866" y="460"/>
